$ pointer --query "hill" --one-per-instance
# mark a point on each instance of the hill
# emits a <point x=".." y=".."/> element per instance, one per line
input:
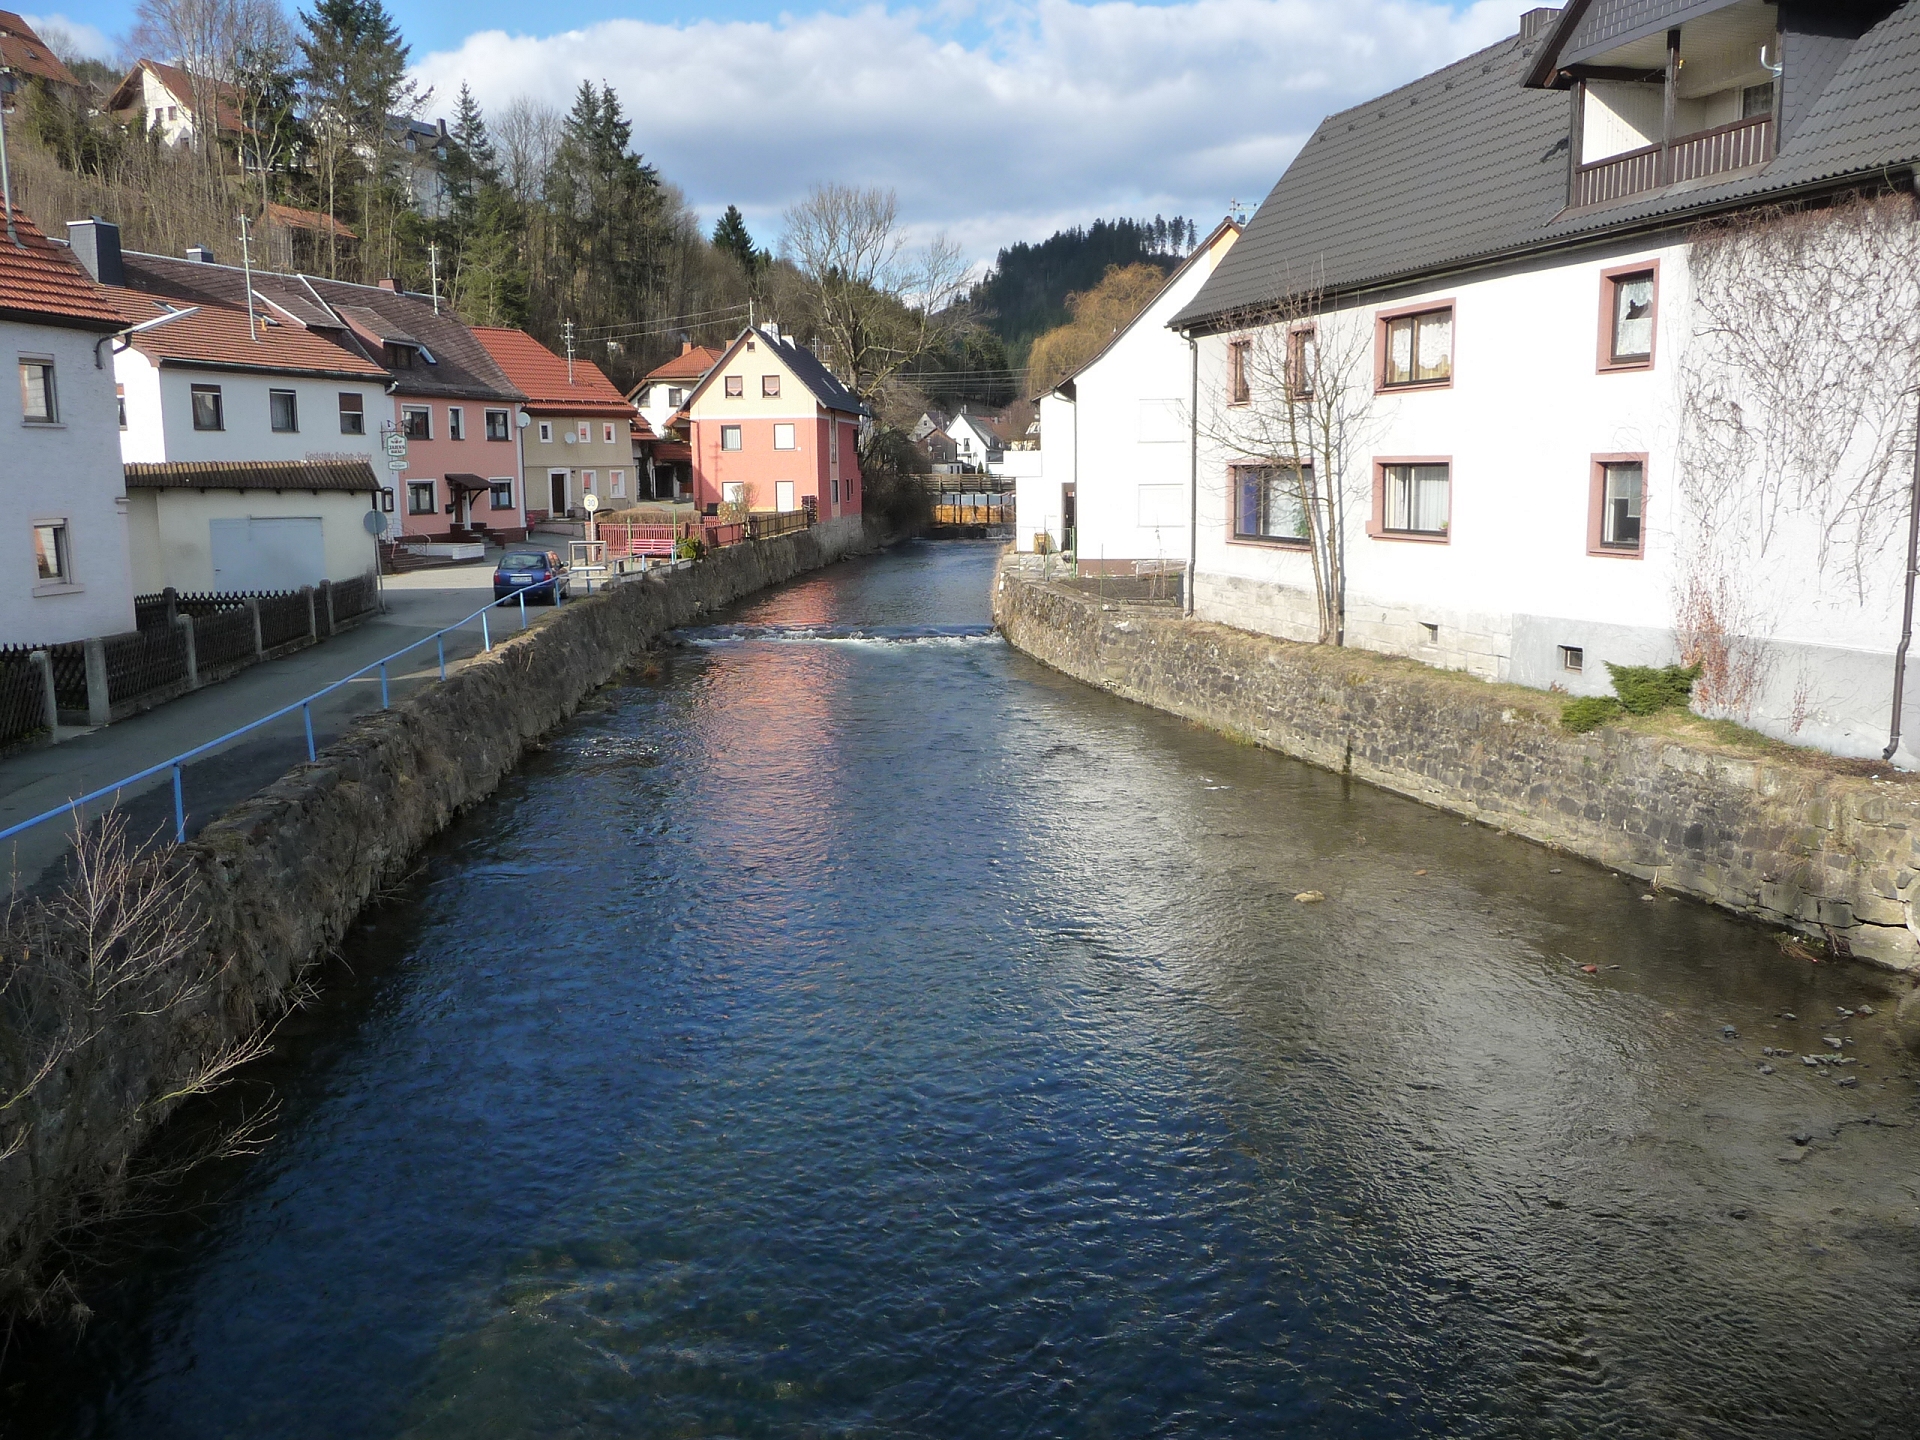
<point x="1025" y="294"/>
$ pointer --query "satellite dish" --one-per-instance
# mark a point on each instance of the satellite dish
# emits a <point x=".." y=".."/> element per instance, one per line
<point x="375" y="522"/>
<point x="525" y="419"/>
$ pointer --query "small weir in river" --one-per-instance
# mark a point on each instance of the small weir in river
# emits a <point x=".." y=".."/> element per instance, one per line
<point x="846" y="1027"/>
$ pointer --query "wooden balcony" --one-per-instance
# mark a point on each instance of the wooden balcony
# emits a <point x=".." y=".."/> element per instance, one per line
<point x="1689" y="157"/>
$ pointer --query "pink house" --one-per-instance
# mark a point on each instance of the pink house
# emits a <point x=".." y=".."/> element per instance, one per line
<point x="770" y="427"/>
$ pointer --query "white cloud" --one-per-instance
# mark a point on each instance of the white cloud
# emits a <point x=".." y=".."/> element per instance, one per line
<point x="1059" y="112"/>
<point x="74" y="37"/>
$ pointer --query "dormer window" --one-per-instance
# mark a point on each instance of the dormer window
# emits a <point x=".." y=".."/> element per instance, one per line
<point x="399" y="357"/>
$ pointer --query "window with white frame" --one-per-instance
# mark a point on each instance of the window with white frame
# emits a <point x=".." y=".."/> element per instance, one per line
<point x="583" y="434"/>
<point x="783" y="437"/>
<point x="417" y="422"/>
<point x="1269" y="502"/>
<point x="501" y="493"/>
<point x="120" y="399"/>
<point x="587" y="481"/>
<point x="52" y="559"/>
<point x="283" y="412"/>
<point x="1416" y="499"/>
<point x="456" y="423"/>
<point x="209" y="408"/>
<point x="420" y="497"/>
<point x="497" y="425"/>
<point x="733" y="492"/>
<point x="617" y="483"/>
<point x="353" y="413"/>
<point x="546" y="432"/>
<point x="606" y="433"/>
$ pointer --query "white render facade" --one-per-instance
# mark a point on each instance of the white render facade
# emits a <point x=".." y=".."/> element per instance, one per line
<point x="62" y="474"/>
<point x="1516" y="588"/>
<point x="160" y="414"/>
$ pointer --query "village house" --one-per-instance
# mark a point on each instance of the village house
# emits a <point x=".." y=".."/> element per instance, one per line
<point x="23" y="52"/>
<point x="579" y="441"/>
<point x="66" y="574"/>
<point x="977" y="441"/>
<point x="166" y="100"/>
<point x="772" y="429"/>
<point x="1561" y="436"/>
<point x="1118" y="446"/>
<point x="659" y="399"/>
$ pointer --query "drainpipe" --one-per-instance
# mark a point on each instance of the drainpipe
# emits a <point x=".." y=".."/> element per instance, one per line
<point x="1193" y="468"/>
<point x="1906" y="614"/>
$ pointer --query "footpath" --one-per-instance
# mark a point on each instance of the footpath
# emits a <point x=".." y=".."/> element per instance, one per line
<point x="1826" y="849"/>
<point x="36" y="779"/>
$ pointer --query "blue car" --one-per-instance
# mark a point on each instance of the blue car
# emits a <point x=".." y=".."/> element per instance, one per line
<point x="538" y="572"/>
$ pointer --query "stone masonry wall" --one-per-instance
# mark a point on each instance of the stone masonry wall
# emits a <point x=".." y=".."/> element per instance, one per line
<point x="282" y="875"/>
<point x="1787" y="844"/>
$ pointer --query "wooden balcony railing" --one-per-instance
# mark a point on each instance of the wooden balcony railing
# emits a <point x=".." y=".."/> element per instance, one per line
<point x="1690" y="157"/>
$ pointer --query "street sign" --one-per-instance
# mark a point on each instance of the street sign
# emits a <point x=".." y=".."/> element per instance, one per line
<point x="590" y="502"/>
<point x="375" y="522"/>
<point x="397" y="465"/>
<point x="396" y="444"/>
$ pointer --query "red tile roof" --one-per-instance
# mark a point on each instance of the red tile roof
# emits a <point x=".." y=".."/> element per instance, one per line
<point x="42" y="283"/>
<point x="217" y="337"/>
<point x="689" y="364"/>
<point x="544" y="376"/>
<point x="317" y="221"/>
<point x="28" y="53"/>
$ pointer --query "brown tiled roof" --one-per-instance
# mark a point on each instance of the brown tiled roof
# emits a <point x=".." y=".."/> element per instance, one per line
<point x="317" y="221"/>
<point x="687" y="365"/>
<point x="41" y="283"/>
<point x="641" y="429"/>
<point x="27" y="53"/>
<point x="225" y="97"/>
<point x="217" y="336"/>
<point x="351" y="475"/>
<point x="544" y="376"/>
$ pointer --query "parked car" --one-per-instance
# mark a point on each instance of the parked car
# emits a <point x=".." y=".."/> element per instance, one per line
<point x="538" y="572"/>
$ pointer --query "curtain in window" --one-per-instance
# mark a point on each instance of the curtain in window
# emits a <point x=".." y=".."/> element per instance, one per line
<point x="1620" y="517"/>
<point x="1633" y="317"/>
<point x="1417" y="499"/>
<point x="1268" y="505"/>
<point x="1435" y="346"/>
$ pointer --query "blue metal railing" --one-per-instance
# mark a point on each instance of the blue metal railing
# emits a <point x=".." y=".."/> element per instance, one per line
<point x="305" y="705"/>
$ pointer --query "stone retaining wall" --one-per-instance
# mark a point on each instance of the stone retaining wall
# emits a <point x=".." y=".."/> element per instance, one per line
<point x="281" y="876"/>
<point x="1800" y="846"/>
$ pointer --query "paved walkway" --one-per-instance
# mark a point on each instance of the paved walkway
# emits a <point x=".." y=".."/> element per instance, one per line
<point x="36" y="780"/>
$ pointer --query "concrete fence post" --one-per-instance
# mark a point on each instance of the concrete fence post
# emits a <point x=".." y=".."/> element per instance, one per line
<point x="173" y="603"/>
<point x="253" y="609"/>
<point x="185" y="622"/>
<point x="323" y="606"/>
<point x="313" y="618"/>
<point x="49" y="697"/>
<point x="99" y="703"/>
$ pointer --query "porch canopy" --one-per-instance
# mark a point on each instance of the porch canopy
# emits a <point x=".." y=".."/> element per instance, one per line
<point x="466" y="483"/>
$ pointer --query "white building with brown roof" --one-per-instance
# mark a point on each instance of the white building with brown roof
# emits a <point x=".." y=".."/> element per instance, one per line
<point x="63" y="527"/>
<point x="166" y="100"/>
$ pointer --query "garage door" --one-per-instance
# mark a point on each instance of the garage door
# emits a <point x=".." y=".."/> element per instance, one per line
<point x="281" y="553"/>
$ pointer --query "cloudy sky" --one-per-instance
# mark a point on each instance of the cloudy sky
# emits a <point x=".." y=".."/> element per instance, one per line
<point x="995" y="122"/>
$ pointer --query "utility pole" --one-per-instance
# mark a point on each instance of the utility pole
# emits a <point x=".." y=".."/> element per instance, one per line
<point x="433" y="261"/>
<point x="6" y="177"/>
<point x="246" y="264"/>
<point x="567" y="329"/>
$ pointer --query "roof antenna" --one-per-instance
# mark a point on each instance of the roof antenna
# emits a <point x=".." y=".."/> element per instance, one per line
<point x="246" y="264"/>
<point x="569" y="335"/>
<point x="433" y="261"/>
<point x="6" y="179"/>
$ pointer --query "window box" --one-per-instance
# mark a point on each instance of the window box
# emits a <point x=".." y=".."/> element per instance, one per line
<point x="1629" y="312"/>
<point x="283" y="412"/>
<point x="209" y="409"/>
<point x="1413" y="347"/>
<point x="1412" y="498"/>
<point x="1267" y="505"/>
<point x="1616" y="506"/>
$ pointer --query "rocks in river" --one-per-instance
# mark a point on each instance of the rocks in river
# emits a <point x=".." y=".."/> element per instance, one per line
<point x="1788" y="1015"/>
<point x="1833" y="1041"/>
<point x="1810" y="1059"/>
<point x="1729" y="1033"/>
<point x="1801" y="1137"/>
<point x="1739" y="1212"/>
<point x="1794" y="1157"/>
<point x="1553" y="870"/>
<point x="1863" y="1009"/>
<point x="1846" y="1081"/>
<point x="1766" y="1069"/>
<point x="1310" y="897"/>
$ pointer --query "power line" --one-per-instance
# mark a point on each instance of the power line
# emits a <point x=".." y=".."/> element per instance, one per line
<point x="667" y="322"/>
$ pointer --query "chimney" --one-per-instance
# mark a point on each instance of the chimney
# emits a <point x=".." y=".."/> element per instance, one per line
<point x="96" y="245"/>
<point x="200" y="254"/>
<point x="389" y="283"/>
<point x="686" y="347"/>
<point x="1537" y="21"/>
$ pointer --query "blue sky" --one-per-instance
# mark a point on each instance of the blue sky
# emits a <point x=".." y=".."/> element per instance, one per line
<point x="994" y="121"/>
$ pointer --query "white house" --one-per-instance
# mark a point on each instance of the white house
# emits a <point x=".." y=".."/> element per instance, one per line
<point x="976" y="444"/>
<point x="1125" y="452"/>
<point x="1549" y="422"/>
<point x="65" y="574"/>
<point x="166" y="99"/>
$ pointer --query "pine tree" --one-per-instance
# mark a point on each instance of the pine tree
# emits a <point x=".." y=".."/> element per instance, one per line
<point x="354" y="70"/>
<point x="730" y="235"/>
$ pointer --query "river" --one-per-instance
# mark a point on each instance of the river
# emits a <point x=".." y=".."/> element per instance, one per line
<point x="847" y="1027"/>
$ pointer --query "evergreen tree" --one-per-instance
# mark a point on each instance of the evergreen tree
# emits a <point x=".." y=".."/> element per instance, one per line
<point x="354" y="74"/>
<point x="607" y="207"/>
<point x="730" y="235"/>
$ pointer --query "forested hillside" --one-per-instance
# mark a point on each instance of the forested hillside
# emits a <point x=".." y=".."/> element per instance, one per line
<point x="1025" y="294"/>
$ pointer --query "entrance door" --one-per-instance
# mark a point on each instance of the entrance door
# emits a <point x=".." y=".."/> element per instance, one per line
<point x="1068" y="520"/>
<point x="276" y="553"/>
<point x="783" y="496"/>
<point x="557" y="484"/>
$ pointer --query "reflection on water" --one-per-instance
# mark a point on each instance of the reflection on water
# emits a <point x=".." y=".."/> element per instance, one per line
<point x="876" y="1034"/>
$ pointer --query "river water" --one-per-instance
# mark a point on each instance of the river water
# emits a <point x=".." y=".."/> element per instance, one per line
<point x="853" y="1029"/>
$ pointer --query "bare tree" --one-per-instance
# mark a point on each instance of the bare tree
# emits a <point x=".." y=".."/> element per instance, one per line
<point x="1295" y="410"/>
<point x="527" y="133"/>
<point x="872" y="304"/>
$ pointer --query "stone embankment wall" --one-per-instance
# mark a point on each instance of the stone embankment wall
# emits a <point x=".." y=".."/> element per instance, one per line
<point x="1799" y="846"/>
<point x="280" y="877"/>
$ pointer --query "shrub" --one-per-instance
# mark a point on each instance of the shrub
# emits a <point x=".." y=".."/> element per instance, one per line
<point x="1648" y="689"/>
<point x="688" y="547"/>
<point x="1583" y="714"/>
